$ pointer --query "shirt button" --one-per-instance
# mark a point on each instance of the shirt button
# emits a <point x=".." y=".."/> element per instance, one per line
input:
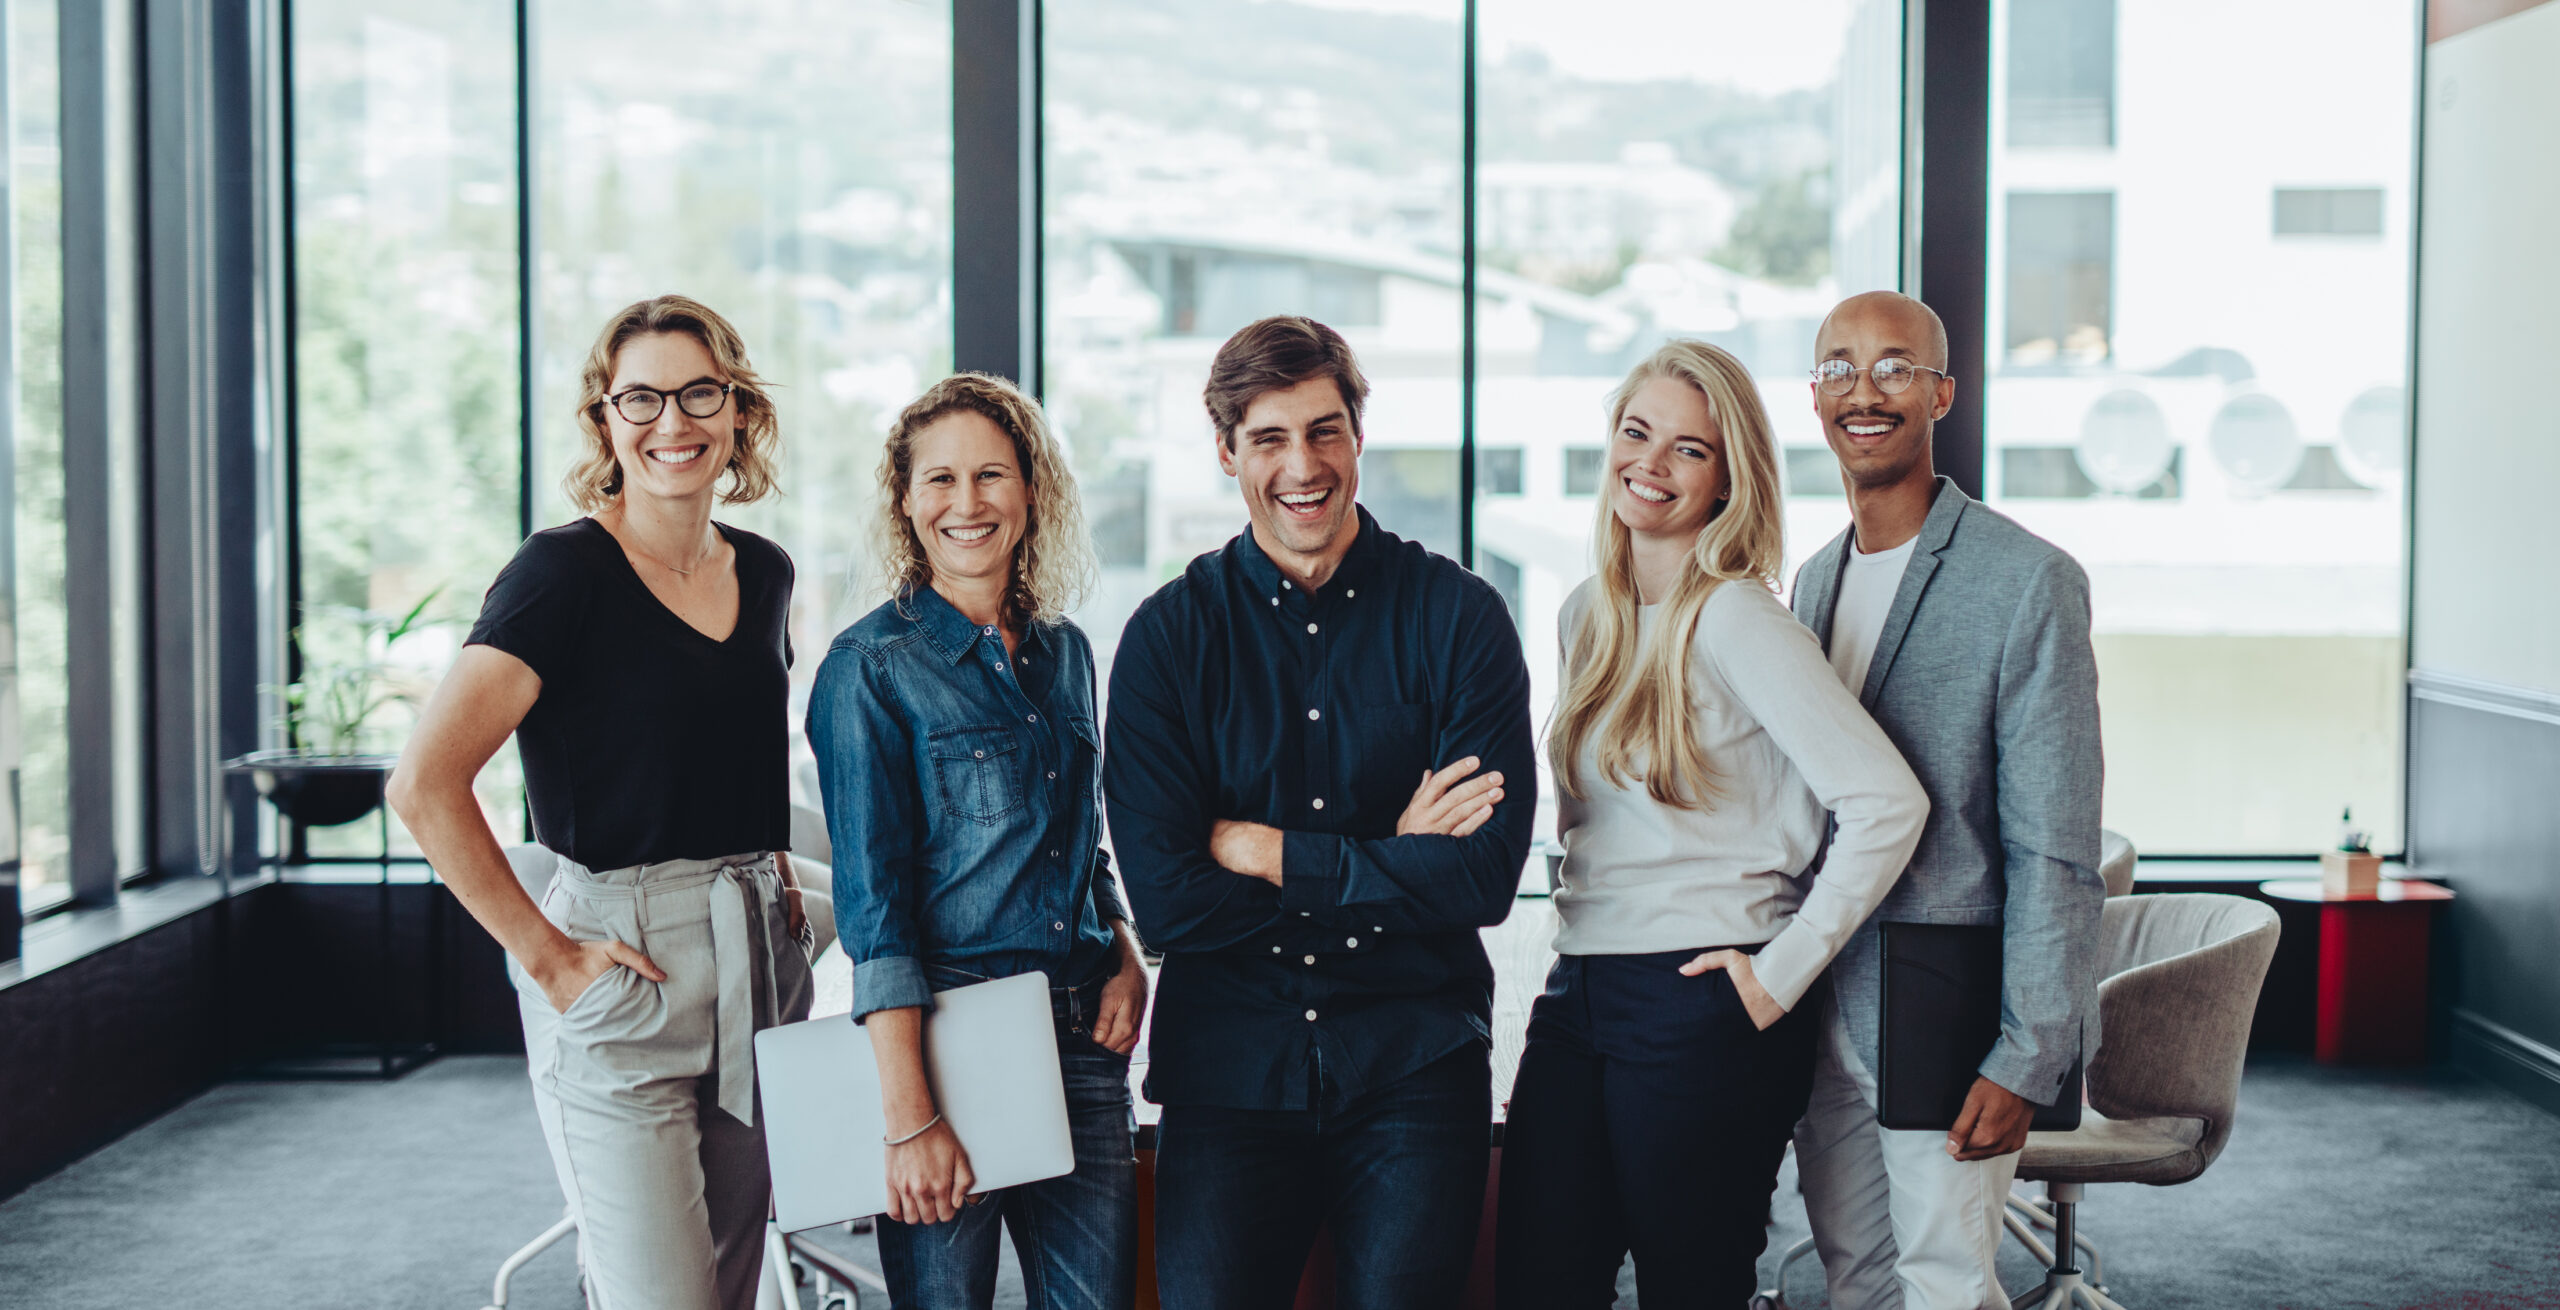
<point x="1311" y="959"/>
<point x="1311" y="629"/>
<point x="999" y="666"/>
<point x="1053" y="855"/>
<point x="1053" y="773"/>
<point x="1031" y="718"/>
<point x="1284" y="586"/>
<point x="1060" y="925"/>
<point x="989" y="631"/>
<point x="1319" y="802"/>
<point x="1315" y="714"/>
<point x="1352" y="942"/>
<point x="1275" y="950"/>
<point x="1350" y="595"/>
<point x="1311" y="1016"/>
<point x="982" y="755"/>
<point x="1275" y="600"/>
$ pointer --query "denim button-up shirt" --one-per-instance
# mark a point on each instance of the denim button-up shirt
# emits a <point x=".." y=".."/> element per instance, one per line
<point x="1239" y="695"/>
<point x="964" y="802"/>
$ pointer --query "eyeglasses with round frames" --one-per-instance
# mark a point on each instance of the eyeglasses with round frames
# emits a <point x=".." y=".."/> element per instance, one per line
<point x="1892" y="376"/>
<point x="643" y="405"/>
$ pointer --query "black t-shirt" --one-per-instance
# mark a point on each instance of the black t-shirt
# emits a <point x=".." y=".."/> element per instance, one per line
<point x="650" y="741"/>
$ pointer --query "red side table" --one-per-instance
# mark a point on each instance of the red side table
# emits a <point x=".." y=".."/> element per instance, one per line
<point x="2373" y="968"/>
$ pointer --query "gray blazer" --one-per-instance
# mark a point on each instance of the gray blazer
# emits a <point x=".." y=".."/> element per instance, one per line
<point x="1984" y="679"/>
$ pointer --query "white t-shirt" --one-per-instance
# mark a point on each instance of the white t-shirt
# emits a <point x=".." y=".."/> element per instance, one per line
<point x="1867" y="587"/>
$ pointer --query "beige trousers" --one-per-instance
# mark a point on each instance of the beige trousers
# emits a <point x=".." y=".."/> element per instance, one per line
<point x="646" y="1091"/>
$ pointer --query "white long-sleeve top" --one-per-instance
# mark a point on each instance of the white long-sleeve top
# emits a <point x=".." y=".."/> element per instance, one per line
<point x="1785" y="743"/>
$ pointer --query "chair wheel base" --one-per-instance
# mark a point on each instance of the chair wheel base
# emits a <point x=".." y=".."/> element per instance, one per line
<point x="2064" y="1291"/>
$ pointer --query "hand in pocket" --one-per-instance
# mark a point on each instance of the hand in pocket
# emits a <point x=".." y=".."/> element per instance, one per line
<point x="565" y="983"/>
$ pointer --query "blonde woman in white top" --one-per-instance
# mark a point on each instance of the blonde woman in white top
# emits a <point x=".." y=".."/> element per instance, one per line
<point x="1700" y="741"/>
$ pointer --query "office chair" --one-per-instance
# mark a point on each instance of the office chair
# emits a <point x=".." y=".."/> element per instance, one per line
<point x="2181" y="983"/>
<point x="838" y="1282"/>
<point x="2115" y="861"/>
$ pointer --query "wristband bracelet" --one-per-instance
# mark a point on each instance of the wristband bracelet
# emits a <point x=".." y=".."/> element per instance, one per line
<point x="901" y="1141"/>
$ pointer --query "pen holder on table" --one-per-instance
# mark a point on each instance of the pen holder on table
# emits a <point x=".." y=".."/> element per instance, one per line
<point x="2350" y="873"/>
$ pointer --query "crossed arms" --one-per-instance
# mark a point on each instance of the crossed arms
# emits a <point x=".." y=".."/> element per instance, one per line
<point x="1200" y="880"/>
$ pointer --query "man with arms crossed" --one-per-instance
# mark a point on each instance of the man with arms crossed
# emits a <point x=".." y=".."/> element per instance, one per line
<point x="1320" y="777"/>
<point x="1968" y="639"/>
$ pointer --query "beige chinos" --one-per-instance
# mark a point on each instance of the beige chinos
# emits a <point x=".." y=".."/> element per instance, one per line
<point x="646" y="1090"/>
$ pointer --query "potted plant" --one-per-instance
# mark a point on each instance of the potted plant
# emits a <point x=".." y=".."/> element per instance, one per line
<point x="327" y="777"/>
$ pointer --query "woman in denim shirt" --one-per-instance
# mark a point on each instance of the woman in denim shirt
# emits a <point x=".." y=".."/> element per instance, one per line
<point x="957" y="749"/>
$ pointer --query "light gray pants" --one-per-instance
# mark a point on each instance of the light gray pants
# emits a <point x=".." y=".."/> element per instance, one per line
<point x="1901" y="1224"/>
<point x="646" y="1090"/>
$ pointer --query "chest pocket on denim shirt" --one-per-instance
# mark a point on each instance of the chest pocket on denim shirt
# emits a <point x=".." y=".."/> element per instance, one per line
<point x="977" y="772"/>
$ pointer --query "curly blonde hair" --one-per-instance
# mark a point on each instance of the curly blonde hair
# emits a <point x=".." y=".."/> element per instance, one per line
<point x="1652" y="736"/>
<point x="1053" y="564"/>
<point x="594" y="479"/>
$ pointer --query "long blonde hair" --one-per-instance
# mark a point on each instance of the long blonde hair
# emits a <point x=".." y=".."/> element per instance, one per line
<point x="594" y="479"/>
<point x="1053" y="564"/>
<point x="1653" y="733"/>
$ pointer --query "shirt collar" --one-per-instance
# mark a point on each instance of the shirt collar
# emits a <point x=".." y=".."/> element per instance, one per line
<point x="942" y="622"/>
<point x="1357" y="563"/>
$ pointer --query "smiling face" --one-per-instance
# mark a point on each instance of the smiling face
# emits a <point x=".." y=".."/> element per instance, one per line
<point x="678" y="456"/>
<point x="1296" y="457"/>
<point x="1667" y="470"/>
<point x="1883" y="440"/>
<point x="966" y="498"/>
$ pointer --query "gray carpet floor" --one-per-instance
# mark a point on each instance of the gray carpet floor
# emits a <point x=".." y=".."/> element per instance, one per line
<point x="2341" y="1190"/>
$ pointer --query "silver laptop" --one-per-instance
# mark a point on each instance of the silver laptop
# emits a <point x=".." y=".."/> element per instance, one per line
<point x="991" y="1053"/>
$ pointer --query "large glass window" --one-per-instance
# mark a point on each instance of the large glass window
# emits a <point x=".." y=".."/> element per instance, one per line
<point x="33" y="337"/>
<point x="1211" y="162"/>
<point x="788" y="165"/>
<point x="2062" y="72"/>
<point x="1729" y="176"/>
<point x="2195" y="387"/>
<point x="406" y="432"/>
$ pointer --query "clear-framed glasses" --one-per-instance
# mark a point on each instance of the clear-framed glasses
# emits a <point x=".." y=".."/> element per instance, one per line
<point x="643" y="405"/>
<point x="1892" y="375"/>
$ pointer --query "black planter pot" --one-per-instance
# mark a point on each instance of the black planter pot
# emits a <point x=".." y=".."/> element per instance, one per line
<point x="314" y="790"/>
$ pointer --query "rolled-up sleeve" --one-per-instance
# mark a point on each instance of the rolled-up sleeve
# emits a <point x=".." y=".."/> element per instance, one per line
<point x="875" y="819"/>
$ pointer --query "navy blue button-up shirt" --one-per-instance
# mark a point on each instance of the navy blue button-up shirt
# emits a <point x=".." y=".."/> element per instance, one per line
<point x="963" y="802"/>
<point x="1238" y="695"/>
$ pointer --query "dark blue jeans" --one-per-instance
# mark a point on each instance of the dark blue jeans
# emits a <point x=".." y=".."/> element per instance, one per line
<point x="1399" y="1172"/>
<point x="1649" y="1116"/>
<point x="1076" y="1236"/>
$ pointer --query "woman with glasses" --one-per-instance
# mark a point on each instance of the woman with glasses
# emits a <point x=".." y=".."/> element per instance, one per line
<point x="639" y="656"/>
<point x="1700" y="741"/>
<point x="956" y="744"/>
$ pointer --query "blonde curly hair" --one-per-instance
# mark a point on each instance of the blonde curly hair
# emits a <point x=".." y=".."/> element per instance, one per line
<point x="1053" y="564"/>
<point x="594" y="479"/>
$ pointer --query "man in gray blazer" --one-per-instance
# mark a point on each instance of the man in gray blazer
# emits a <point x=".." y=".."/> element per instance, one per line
<point x="1968" y="639"/>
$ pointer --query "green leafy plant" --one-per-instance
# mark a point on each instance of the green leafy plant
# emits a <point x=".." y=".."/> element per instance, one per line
<point x="327" y="709"/>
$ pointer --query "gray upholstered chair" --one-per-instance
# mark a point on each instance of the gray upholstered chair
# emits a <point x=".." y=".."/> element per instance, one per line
<point x="2180" y="984"/>
<point x="809" y="837"/>
<point x="2115" y="861"/>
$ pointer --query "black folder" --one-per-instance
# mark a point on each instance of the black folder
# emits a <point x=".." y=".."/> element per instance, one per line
<point x="1940" y="1017"/>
